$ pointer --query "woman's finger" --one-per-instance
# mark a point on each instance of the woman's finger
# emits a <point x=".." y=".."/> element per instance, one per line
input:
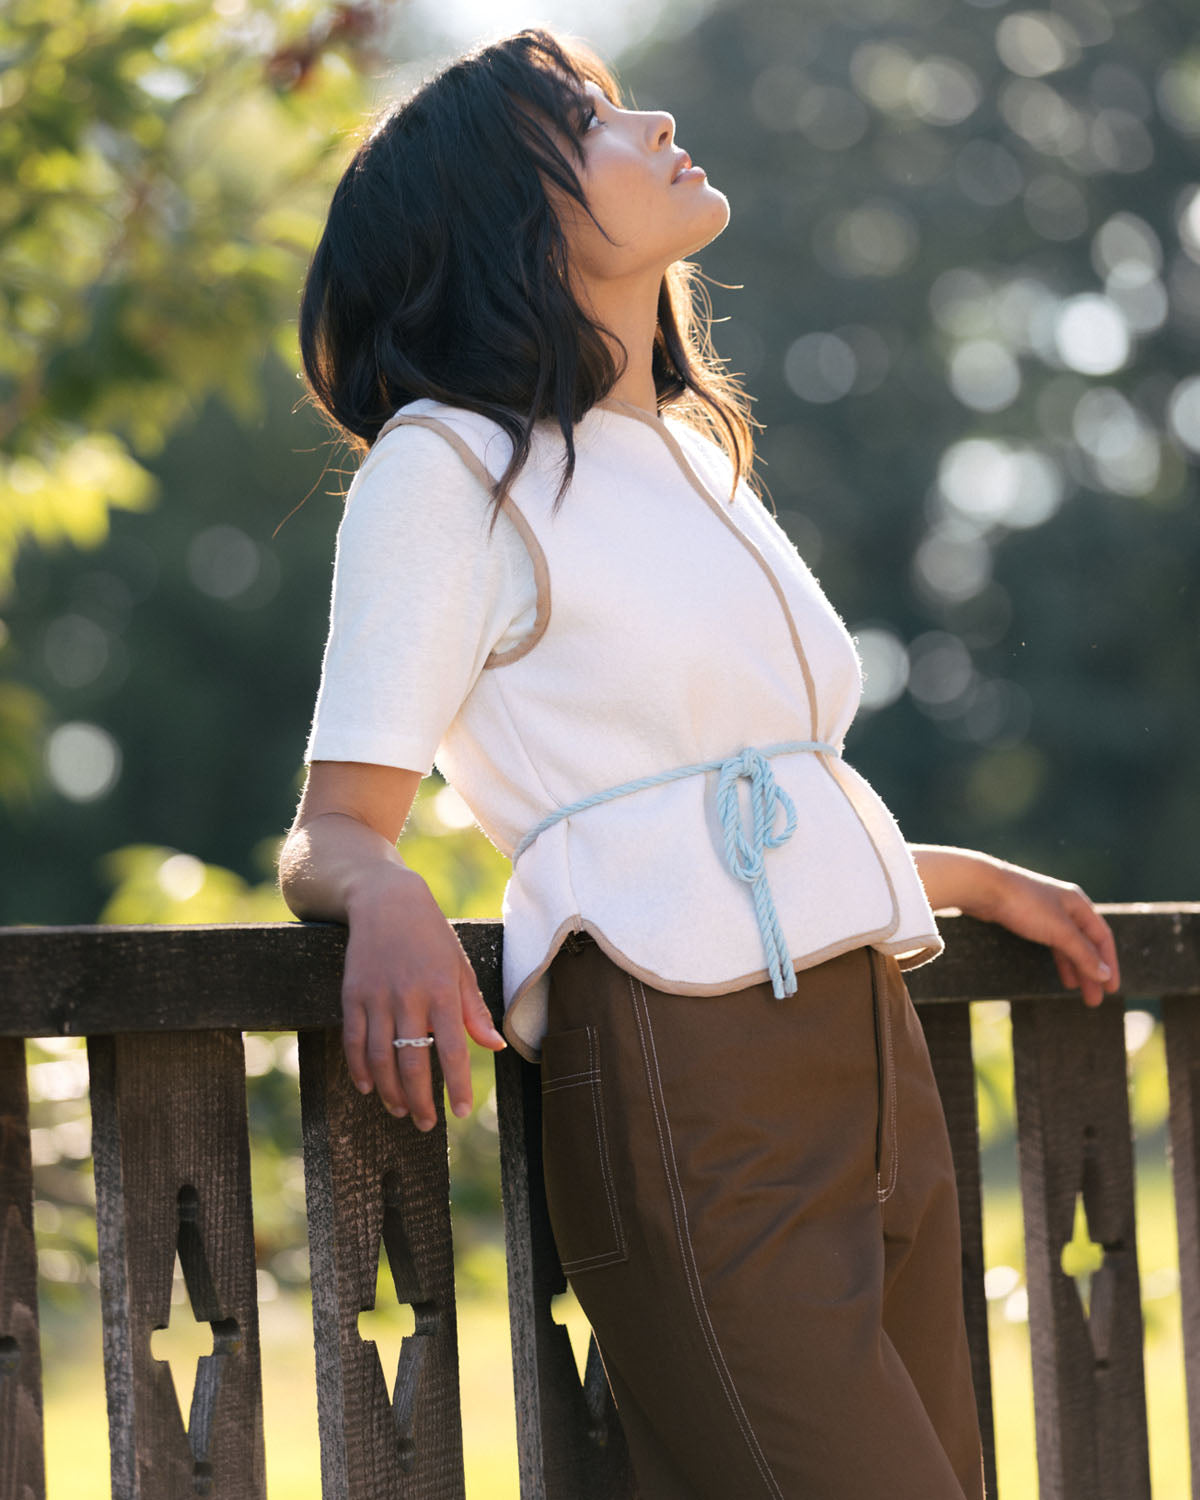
<point x="476" y="1016"/>
<point x="1091" y="990"/>
<point x="1101" y="936"/>
<point x="354" y="1045"/>
<point x="416" y="1076"/>
<point x="455" y="1058"/>
<point x="390" y="1079"/>
<point x="1066" y="970"/>
<point x="1087" y="946"/>
<point x="1092" y="973"/>
<point x="1090" y="948"/>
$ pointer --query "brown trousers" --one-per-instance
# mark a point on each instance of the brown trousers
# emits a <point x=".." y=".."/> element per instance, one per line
<point x="754" y="1202"/>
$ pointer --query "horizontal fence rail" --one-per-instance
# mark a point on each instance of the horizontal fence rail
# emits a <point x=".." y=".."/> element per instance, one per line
<point x="163" y="1009"/>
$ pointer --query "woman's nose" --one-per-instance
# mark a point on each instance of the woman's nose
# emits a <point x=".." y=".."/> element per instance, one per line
<point x="661" y="128"/>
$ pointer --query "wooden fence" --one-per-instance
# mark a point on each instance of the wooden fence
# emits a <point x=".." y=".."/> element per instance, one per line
<point x="163" y="1010"/>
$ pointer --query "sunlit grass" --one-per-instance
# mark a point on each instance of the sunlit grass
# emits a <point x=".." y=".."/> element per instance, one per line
<point x="77" y="1460"/>
<point x="77" y="1440"/>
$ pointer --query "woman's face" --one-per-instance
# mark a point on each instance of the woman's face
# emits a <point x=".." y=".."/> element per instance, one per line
<point x="654" y="204"/>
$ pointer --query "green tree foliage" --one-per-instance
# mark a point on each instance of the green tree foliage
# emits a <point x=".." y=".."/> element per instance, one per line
<point x="161" y="164"/>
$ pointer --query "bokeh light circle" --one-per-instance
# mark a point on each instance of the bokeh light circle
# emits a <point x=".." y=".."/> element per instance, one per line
<point x="884" y="666"/>
<point x="1091" y="335"/>
<point x="984" y="375"/>
<point x="83" y="761"/>
<point x="1183" y="413"/>
<point x="820" y="367"/>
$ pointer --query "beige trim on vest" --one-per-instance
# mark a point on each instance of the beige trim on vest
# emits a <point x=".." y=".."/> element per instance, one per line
<point x="541" y="572"/>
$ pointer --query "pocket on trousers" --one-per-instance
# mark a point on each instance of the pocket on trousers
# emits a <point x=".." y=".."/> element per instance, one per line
<point x="580" y="1188"/>
<point x="886" y="1145"/>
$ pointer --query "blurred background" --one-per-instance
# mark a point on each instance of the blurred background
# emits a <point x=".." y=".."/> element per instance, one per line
<point x="962" y="282"/>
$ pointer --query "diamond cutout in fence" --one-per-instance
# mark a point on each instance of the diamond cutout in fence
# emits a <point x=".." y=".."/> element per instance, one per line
<point x="182" y="1343"/>
<point x="566" y="1311"/>
<point x="387" y="1324"/>
<point x="1081" y="1256"/>
<point x="1090" y="1260"/>
<point x="413" y="1316"/>
<point x="593" y="1382"/>
<point x="192" y="1351"/>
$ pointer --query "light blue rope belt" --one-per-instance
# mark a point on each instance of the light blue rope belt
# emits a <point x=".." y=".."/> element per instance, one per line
<point x="744" y="854"/>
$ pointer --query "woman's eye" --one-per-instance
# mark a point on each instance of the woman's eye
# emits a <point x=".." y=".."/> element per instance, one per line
<point x="586" y="120"/>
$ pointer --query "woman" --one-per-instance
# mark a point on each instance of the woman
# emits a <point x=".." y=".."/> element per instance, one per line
<point x="554" y="578"/>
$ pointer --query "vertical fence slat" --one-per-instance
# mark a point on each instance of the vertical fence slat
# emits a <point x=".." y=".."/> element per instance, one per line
<point x="1181" y="1027"/>
<point x="1073" y="1139"/>
<point x="948" y="1034"/>
<point x="172" y="1163"/>
<point x="22" y="1465"/>
<point x="569" y="1440"/>
<point x="370" y="1178"/>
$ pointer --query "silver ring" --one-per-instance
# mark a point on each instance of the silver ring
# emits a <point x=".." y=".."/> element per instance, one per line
<point x="412" y="1041"/>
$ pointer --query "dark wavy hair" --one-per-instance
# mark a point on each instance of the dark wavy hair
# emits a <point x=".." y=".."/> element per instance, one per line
<point x="442" y="268"/>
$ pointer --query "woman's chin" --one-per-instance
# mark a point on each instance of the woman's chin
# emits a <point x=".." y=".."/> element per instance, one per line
<point x="715" y="223"/>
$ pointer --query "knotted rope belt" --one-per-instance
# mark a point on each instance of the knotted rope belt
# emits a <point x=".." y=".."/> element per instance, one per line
<point x="745" y="853"/>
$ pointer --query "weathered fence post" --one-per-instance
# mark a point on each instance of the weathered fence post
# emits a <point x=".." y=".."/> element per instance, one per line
<point x="1181" y="1027"/>
<point x="948" y="1034"/>
<point x="569" y="1441"/>
<point x="372" y="1179"/>
<point x="22" y="1469"/>
<point x="1073" y="1142"/>
<point x="172" y="1160"/>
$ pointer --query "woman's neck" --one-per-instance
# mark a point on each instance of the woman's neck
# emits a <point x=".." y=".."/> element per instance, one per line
<point x="628" y="310"/>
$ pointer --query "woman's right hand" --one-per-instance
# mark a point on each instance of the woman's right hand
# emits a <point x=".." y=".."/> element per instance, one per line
<point x="407" y="975"/>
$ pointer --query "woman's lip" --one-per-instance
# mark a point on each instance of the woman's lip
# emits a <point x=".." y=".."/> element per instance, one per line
<point x="690" y="174"/>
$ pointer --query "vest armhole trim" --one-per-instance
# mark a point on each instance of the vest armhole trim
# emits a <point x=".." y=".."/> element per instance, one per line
<point x="541" y="570"/>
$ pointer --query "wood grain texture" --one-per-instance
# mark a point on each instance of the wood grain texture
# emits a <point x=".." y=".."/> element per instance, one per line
<point x="948" y="1034"/>
<point x="371" y="1178"/>
<point x="1181" y="1027"/>
<point x="172" y="1167"/>
<point x="1073" y="1141"/>
<point x="272" y="976"/>
<point x="569" y="1440"/>
<point x="22" y="1466"/>
<point x="1158" y="946"/>
<point x="280" y="976"/>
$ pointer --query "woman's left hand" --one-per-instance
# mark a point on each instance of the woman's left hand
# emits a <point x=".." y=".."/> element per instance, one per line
<point x="1038" y="907"/>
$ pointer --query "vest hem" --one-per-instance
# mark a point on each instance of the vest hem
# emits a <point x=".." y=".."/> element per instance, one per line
<point x="928" y="946"/>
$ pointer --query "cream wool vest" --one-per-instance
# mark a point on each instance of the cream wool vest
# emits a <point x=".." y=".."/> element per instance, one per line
<point x="673" y="627"/>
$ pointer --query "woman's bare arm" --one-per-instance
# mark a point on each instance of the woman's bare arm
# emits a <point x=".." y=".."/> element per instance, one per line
<point x="1036" y="906"/>
<point x="406" y="973"/>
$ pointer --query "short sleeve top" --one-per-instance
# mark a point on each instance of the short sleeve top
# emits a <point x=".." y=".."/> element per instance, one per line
<point x="421" y="597"/>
